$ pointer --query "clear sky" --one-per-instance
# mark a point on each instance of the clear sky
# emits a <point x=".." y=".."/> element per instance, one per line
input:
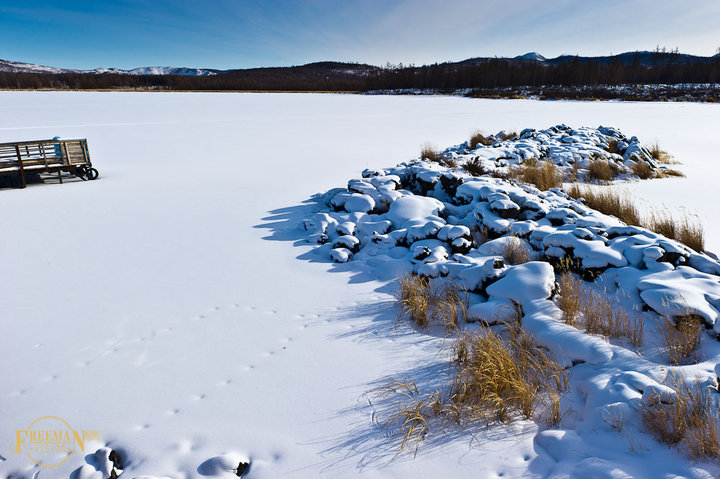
<point x="241" y="33"/>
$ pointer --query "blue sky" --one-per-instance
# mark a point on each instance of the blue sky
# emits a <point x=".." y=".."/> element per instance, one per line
<point x="238" y="34"/>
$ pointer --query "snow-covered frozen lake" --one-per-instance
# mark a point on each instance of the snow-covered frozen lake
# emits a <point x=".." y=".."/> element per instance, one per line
<point x="164" y="306"/>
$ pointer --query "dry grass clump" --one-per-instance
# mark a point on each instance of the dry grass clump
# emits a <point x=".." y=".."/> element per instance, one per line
<point x="681" y="338"/>
<point x="689" y="234"/>
<point x="600" y="314"/>
<point x="475" y="167"/>
<point x="414" y="298"/>
<point x="609" y="318"/>
<point x="507" y="135"/>
<point x="569" y="299"/>
<point x="448" y="305"/>
<point x="516" y="252"/>
<point x="690" y="421"/>
<point x="643" y="170"/>
<point x="430" y="153"/>
<point x="613" y="146"/>
<point x="668" y="172"/>
<point x="602" y="171"/>
<point x="544" y="175"/>
<point x="498" y="379"/>
<point x="609" y="203"/>
<point x="478" y="138"/>
<point x="445" y="304"/>
<point x="658" y="154"/>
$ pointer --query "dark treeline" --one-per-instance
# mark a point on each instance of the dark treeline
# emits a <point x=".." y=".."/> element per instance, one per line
<point x="331" y="76"/>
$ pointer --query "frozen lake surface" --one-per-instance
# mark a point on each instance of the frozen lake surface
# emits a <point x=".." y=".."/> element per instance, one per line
<point x="161" y="306"/>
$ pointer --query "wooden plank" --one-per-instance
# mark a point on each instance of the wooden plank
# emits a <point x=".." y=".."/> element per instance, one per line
<point x="22" y="168"/>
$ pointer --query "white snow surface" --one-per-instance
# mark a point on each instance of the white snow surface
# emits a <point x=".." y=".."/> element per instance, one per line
<point x="165" y="305"/>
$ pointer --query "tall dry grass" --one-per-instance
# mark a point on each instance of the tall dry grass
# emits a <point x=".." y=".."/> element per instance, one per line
<point x="598" y="312"/>
<point x="497" y="379"/>
<point x="543" y="174"/>
<point x="607" y="317"/>
<point x="690" y="421"/>
<point x="570" y="297"/>
<point x="500" y="378"/>
<point x="609" y="203"/>
<point x="602" y="171"/>
<point x="516" y="252"/>
<point x="689" y="233"/>
<point x="681" y="338"/>
<point x="642" y="170"/>
<point x="431" y="153"/>
<point x="478" y="138"/>
<point x="621" y="206"/>
<point x="445" y="304"/>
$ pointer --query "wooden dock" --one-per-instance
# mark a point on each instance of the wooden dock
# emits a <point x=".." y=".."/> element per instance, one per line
<point x="31" y="158"/>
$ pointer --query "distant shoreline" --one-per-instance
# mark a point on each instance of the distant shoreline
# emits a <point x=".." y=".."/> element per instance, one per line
<point x="692" y="93"/>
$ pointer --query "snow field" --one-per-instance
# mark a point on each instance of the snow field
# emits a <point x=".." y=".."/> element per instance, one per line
<point x="119" y="300"/>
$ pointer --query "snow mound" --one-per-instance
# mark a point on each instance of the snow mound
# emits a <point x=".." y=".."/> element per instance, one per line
<point x="439" y="221"/>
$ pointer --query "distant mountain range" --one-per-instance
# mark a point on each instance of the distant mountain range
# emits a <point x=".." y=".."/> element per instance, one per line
<point x="644" y="58"/>
<point x="19" y="67"/>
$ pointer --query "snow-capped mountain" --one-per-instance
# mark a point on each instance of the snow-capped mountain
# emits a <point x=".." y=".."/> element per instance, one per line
<point x="531" y="56"/>
<point x="20" y="67"/>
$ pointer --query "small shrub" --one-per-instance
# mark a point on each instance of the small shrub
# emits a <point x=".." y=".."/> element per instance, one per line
<point x="430" y="153"/>
<point x="570" y="299"/>
<point x="609" y="203"/>
<point x="516" y="251"/>
<point x="681" y="338"/>
<point x="600" y="171"/>
<point x="478" y="138"/>
<point x="643" y="170"/>
<point x="475" y="167"/>
<point x="691" y="420"/>
<point x="544" y="176"/>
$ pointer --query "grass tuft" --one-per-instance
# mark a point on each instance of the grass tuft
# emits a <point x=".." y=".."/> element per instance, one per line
<point x="600" y="314"/>
<point x="609" y="318"/>
<point x="681" y="338"/>
<point x="475" y="167"/>
<point x="430" y="153"/>
<point x="690" y="234"/>
<point x="658" y="154"/>
<point x="643" y="170"/>
<point x="609" y="203"/>
<point x="516" y="251"/>
<point x="602" y="171"/>
<point x="690" y="421"/>
<point x="498" y="379"/>
<point x="478" y="138"/>
<point x="445" y="304"/>
<point x="544" y="175"/>
<point x="613" y="146"/>
<point x="569" y="299"/>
